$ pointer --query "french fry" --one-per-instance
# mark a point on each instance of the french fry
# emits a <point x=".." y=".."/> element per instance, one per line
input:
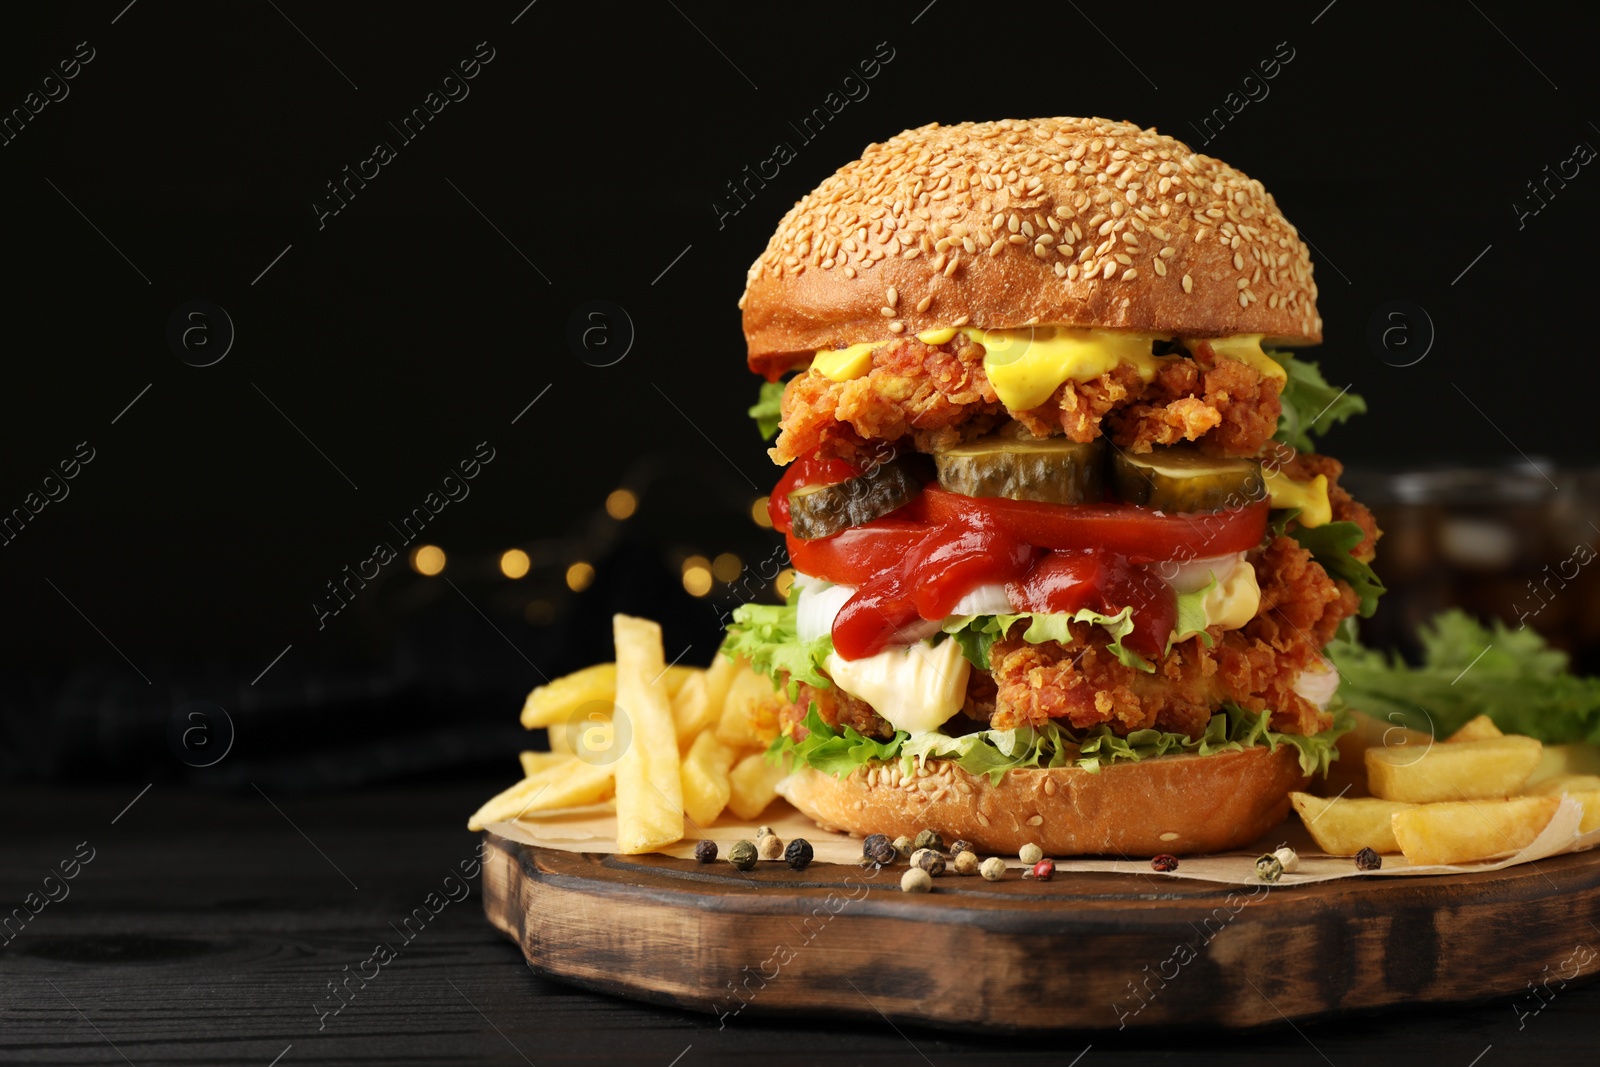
<point x="692" y="711"/>
<point x="753" y="784"/>
<point x="550" y="705"/>
<point x="737" y="724"/>
<point x="1471" y="830"/>
<point x="568" y="784"/>
<point x="1343" y="826"/>
<point x="1575" y="758"/>
<point x="534" y="762"/>
<point x="719" y="676"/>
<point x="1591" y="810"/>
<point x="649" y="790"/>
<point x="1374" y="732"/>
<point x="1348" y="775"/>
<point x="1565" y="783"/>
<point x="1476" y="730"/>
<point x="704" y="772"/>
<point x="1464" y="770"/>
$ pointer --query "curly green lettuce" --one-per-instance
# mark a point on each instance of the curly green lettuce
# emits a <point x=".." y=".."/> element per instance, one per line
<point x="1310" y="404"/>
<point x="977" y="633"/>
<point x="767" y="409"/>
<point x="994" y="752"/>
<point x="1509" y="674"/>
<point x="768" y="636"/>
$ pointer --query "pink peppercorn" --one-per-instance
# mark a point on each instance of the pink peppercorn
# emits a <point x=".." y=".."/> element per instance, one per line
<point x="1044" y="870"/>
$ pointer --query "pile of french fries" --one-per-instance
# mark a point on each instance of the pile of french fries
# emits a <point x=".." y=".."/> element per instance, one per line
<point x="687" y="744"/>
<point x="1476" y="795"/>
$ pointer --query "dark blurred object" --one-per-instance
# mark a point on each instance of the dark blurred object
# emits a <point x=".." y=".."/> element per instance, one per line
<point x="1514" y="543"/>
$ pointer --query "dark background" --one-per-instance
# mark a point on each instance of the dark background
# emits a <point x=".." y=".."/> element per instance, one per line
<point x="377" y="348"/>
<point x="421" y="319"/>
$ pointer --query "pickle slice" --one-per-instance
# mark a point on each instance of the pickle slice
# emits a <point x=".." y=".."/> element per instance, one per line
<point x="1180" y="478"/>
<point x="1054" y="470"/>
<point x="824" y="510"/>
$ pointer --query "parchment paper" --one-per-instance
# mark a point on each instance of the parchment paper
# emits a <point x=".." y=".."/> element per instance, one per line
<point x="594" y="829"/>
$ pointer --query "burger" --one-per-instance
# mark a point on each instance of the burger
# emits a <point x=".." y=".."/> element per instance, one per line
<point x="1065" y="557"/>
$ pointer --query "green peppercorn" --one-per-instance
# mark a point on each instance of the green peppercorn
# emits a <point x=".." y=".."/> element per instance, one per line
<point x="1030" y="854"/>
<point x="966" y="862"/>
<point x="928" y="839"/>
<point x="770" y="846"/>
<point x="1269" y="868"/>
<point x="903" y="845"/>
<point x="742" y="855"/>
<point x="993" y="869"/>
<point x="916" y="880"/>
<point x="705" y="851"/>
<point x="928" y="860"/>
<point x="798" y="854"/>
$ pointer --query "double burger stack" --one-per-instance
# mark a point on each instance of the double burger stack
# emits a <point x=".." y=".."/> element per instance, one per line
<point x="1065" y="558"/>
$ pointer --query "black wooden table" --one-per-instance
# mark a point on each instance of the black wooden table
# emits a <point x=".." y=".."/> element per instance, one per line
<point x="203" y="929"/>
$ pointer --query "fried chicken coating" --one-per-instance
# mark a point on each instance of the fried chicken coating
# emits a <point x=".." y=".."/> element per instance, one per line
<point x="940" y="395"/>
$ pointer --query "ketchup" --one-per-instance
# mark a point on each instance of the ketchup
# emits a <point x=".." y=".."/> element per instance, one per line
<point x="914" y="565"/>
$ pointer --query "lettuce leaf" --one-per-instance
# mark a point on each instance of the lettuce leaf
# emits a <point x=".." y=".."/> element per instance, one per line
<point x="1330" y="545"/>
<point x="1191" y="619"/>
<point x="832" y="751"/>
<point x="993" y="752"/>
<point x="1468" y="669"/>
<point x="1310" y="404"/>
<point x="766" y="410"/>
<point x="976" y="633"/>
<point x="767" y="635"/>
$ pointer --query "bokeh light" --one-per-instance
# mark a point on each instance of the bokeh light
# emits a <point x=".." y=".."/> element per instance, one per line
<point x="514" y="563"/>
<point x="427" y="560"/>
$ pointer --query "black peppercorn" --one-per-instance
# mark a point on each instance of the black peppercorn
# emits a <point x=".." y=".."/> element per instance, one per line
<point x="1165" y="862"/>
<point x="880" y="853"/>
<point x="873" y="845"/>
<point x="798" y="854"/>
<point x="961" y="845"/>
<point x="1368" y="860"/>
<point x="705" y="851"/>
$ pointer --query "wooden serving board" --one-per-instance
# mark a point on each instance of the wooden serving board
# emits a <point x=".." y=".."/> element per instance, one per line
<point x="1083" y="951"/>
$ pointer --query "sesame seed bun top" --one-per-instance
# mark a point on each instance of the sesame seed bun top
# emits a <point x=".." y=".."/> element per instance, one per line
<point x="1063" y="221"/>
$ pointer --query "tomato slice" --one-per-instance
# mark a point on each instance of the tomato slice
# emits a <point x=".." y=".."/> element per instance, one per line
<point x="859" y="554"/>
<point x="801" y="473"/>
<point x="1135" y="533"/>
<point x="918" y="563"/>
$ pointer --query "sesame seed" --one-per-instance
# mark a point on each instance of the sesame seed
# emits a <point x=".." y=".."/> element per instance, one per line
<point x="1130" y="274"/>
<point x="980" y="188"/>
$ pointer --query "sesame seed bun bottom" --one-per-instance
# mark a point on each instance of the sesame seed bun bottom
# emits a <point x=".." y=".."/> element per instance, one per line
<point x="1181" y="805"/>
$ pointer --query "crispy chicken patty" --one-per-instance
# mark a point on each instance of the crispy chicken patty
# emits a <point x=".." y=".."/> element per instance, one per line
<point x="1083" y="684"/>
<point x="939" y="395"/>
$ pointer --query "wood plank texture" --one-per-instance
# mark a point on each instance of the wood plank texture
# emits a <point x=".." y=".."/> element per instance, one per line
<point x="1084" y="951"/>
<point x="207" y="928"/>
